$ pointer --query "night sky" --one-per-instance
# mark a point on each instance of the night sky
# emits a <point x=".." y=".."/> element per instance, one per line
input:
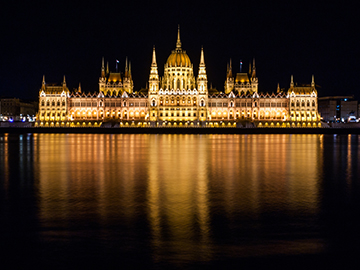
<point x="70" y="39"/>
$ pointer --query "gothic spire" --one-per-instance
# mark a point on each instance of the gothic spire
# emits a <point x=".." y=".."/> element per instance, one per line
<point x="154" y="76"/>
<point x="64" y="81"/>
<point x="202" y="61"/>
<point x="229" y="70"/>
<point x="102" y="68"/>
<point x="178" y="42"/>
<point x="153" y="63"/>
<point x="130" y="69"/>
<point x="43" y="82"/>
<point x="292" y="81"/>
<point x="126" y="67"/>
<point x="202" y="77"/>
<point x="312" y="81"/>
<point x="253" y="69"/>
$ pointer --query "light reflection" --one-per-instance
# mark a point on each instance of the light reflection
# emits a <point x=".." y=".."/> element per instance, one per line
<point x="179" y="183"/>
<point x="349" y="162"/>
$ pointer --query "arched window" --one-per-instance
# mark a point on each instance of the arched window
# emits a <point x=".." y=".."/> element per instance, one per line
<point x="308" y="103"/>
<point x="63" y="103"/>
<point x="53" y="103"/>
<point x="42" y="103"/>
<point x="58" y="103"/>
<point x="153" y="103"/>
<point x="292" y="104"/>
<point x="303" y="103"/>
<point x="178" y="84"/>
<point x="297" y="103"/>
<point x="124" y="103"/>
<point x="202" y="103"/>
<point x="313" y="103"/>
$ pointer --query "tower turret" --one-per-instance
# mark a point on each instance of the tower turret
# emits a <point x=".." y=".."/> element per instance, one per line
<point x="64" y="82"/>
<point x="229" y="83"/>
<point x="202" y="77"/>
<point x="253" y="74"/>
<point x="154" y="76"/>
<point x="43" y="83"/>
<point x="102" y="68"/>
<point x="312" y="81"/>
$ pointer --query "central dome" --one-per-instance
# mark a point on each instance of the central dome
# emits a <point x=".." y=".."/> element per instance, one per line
<point x="178" y="57"/>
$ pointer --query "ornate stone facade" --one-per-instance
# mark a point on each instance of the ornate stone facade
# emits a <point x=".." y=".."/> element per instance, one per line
<point x="178" y="99"/>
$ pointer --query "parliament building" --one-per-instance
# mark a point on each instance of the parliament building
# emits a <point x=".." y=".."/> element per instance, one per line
<point x="178" y="99"/>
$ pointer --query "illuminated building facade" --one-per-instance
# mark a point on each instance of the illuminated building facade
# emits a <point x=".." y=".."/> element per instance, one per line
<point x="178" y="98"/>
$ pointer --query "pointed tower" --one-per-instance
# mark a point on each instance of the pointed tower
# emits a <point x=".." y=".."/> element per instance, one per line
<point x="178" y="60"/>
<point x="102" y="68"/>
<point x="102" y="79"/>
<point x="126" y="67"/>
<point x="278" y="88"/>
<point x="178" y="42"/>
<point x="253" y="74"/>
<point x="312" y="81"/>
<point x="229" y="83"/>
<point x="203" y="89"/>
<point x="107" y="68"/>
<point x="64" y="82"/>
<point x="254" y="80"/>
<point x="127" y="82"/>
<point x="43" y="83"/>
<point x="202" y="77"/>
<point x="154" y="76"/>
<point x="291" y="81"/>
<point x="79" y="89"/>
<point x="130" y="70"/>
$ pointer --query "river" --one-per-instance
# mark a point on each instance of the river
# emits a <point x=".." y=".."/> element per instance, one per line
<point x="178" y="201"/>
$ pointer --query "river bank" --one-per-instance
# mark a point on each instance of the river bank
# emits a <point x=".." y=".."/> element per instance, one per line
<point x="188" y="130"/>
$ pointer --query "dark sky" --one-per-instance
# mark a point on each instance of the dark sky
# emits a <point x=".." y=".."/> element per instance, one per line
<point x="69" y="38"/>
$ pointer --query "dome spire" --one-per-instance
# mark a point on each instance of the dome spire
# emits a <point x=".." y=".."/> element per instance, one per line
<point x="178" y="42"/>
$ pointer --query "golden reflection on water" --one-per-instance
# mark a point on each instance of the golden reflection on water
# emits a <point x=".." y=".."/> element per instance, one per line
<point x="178" y="181"/>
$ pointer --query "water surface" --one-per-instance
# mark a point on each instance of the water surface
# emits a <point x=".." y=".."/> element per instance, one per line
<point x="69" y="200"/>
